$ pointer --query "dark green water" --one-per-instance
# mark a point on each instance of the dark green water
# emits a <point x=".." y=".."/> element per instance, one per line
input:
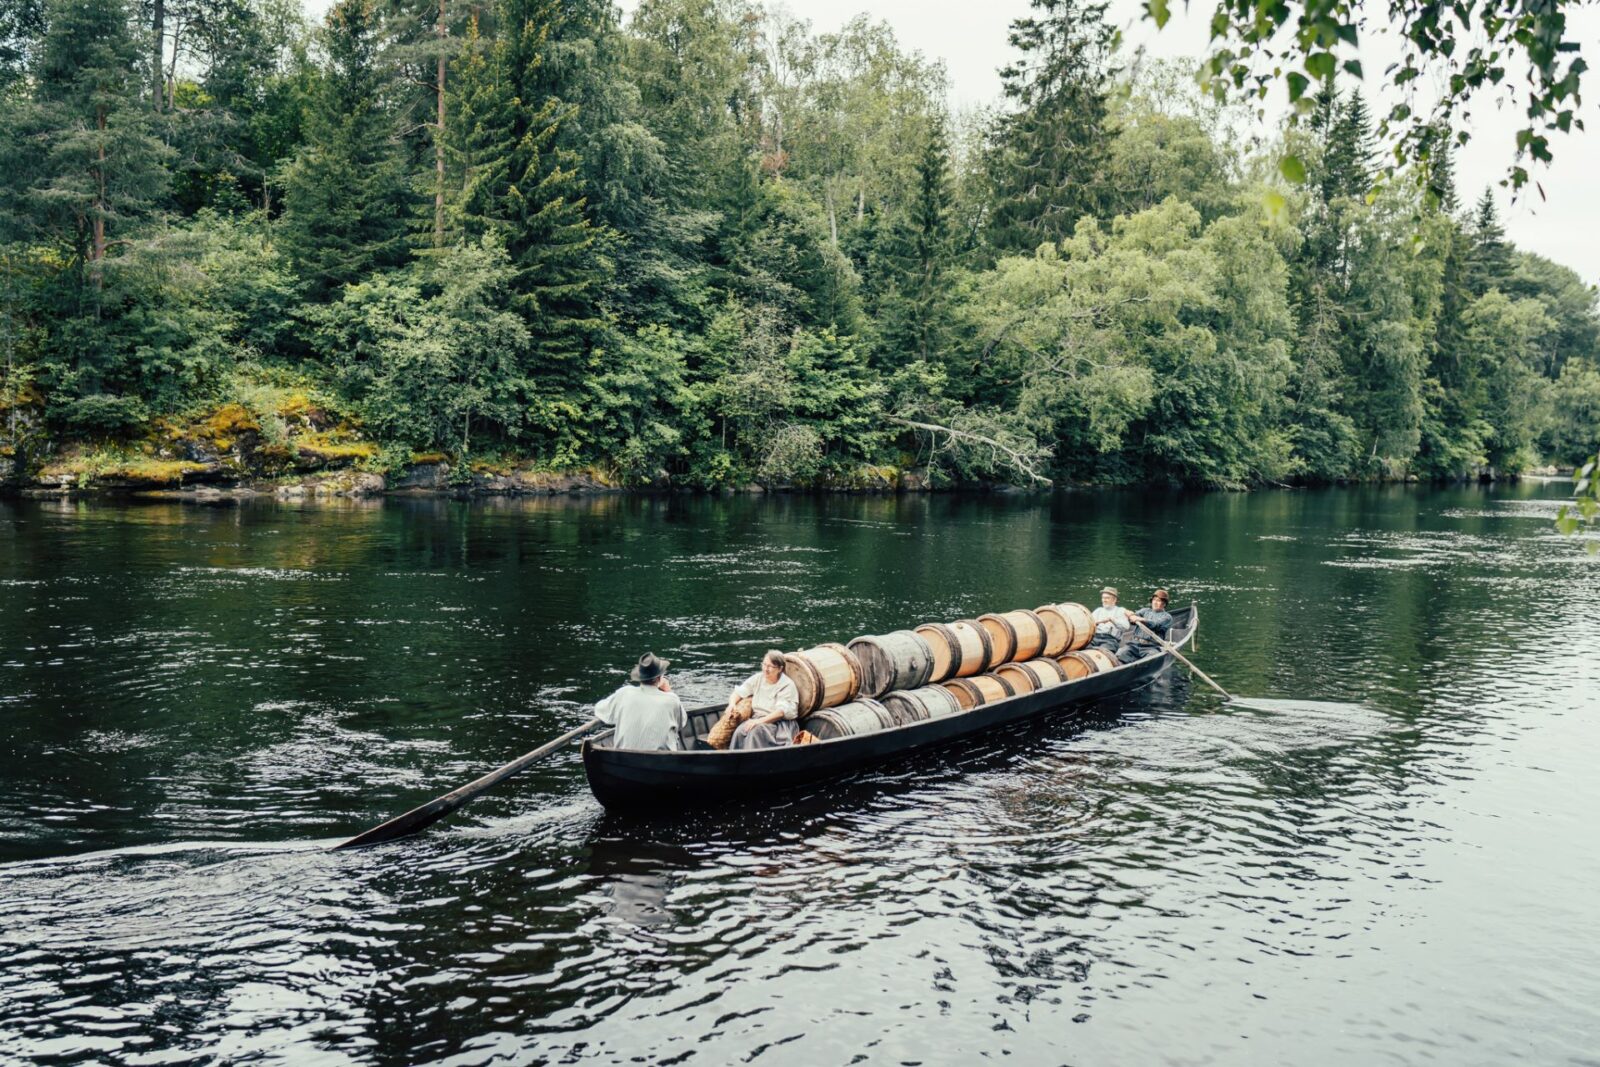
<point x="1392" y="864"/>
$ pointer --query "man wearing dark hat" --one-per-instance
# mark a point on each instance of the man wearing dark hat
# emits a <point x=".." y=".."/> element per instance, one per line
<point x="1137" y="642"/>
<point x="645" y="714"/>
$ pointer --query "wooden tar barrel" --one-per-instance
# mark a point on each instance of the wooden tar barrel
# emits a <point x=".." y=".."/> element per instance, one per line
<point x="978" y="690"/>
<point x="915" y="705"/>
<point x="945" y="648"/>
<point x="847" y="720"/>
<point x="960" y="649"/>
<point x="1077" y="665"/>
<point x="1104" y="660"/>
<point x="1002" y="638"/>
<point x="1032" y="675"/>
<point x="1059" y="630"/>
<point x="824" y="677"/>
<point x="1081" y="621"/>
<point x="1028" y="629"/>
<point x="1021" y="679"/>
<point x="898" y="660"/>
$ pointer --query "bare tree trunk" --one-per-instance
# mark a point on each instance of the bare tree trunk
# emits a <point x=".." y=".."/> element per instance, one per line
<point x="833" y="217"/>
<point x="172" y="69"/>
<point x="158" y="37"/>
<point x="861" y="203"/>
<point x="438" y="141"/>
<point x="98" y="251"/>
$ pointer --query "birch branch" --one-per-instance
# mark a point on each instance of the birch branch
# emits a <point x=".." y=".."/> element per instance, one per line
<point x="1002" y="454"/>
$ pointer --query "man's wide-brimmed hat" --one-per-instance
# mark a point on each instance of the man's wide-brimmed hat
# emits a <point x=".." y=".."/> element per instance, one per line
<point x="1112" y="590"/>
<point x="649" y="668"/>
<point x="1161" y="595"/>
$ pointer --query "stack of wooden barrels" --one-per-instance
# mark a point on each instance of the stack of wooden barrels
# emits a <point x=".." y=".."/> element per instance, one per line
<point x="876" y="683"/>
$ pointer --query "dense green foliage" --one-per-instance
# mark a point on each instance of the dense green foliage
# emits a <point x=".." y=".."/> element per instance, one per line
<point x="708" y="246"/>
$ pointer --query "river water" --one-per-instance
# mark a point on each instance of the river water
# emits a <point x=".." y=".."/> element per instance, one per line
<point x="1389" y="861"/>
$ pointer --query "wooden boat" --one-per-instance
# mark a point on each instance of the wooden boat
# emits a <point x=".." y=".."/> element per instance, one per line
<point x="624" y="779"/>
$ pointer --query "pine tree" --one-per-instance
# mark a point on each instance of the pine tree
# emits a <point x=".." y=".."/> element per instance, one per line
<point x="422" y="38"/>
<point x="1048" y="160"/>
<point x="345" y="193"/>
<point x="1491" y="254"/>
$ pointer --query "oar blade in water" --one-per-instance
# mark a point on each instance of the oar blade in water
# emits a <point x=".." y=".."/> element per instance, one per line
<point x="1290" y="707"/>
<point x="425" y="815"/>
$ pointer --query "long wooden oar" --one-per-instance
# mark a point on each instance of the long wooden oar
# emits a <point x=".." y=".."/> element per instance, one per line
<point x="436" y="809"/>
<point x="1164" y="643"/>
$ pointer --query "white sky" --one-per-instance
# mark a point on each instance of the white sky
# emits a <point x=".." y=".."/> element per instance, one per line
<point x="970" y="37"/>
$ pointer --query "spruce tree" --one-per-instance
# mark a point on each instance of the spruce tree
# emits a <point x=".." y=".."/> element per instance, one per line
<point x="1440" y="188"/>
<point x="913" y="310"/>
<point x="520" y="185"/>
<point x="21" y="27"/>
<point x="1453" y="396"/>
<point x="1048" y="159"/>
<point x="82" y="164"/>
<point x="345" y="194"/>
<point x="1351" y="158"/>
<point x="1491" y="252"/>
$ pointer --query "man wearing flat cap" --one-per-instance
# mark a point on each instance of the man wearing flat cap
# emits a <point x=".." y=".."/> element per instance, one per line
<point x="645" y="714"/>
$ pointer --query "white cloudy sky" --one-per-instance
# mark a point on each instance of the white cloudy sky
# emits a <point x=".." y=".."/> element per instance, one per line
<point x="970" y="37"/>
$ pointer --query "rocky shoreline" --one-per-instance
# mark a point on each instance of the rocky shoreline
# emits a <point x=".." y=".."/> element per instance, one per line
<point x="223" y="458"/>
<point x="298" y="449"/>
<point x="419" y="479"/>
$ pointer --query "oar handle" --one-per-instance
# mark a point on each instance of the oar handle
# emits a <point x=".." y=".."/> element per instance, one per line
<point x="1170" y="647"/>
<point x="434" y="810"/>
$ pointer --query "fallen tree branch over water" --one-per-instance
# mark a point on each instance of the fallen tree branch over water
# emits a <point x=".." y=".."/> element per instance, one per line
<point x="995" y="450"/>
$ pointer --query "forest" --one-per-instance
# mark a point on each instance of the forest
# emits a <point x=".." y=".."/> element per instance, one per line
<point x="704" y="245"/>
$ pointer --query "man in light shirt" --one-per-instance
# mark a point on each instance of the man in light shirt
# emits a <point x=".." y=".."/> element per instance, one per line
<point x="646" y="714"/>
<point x="1110" y="623"/>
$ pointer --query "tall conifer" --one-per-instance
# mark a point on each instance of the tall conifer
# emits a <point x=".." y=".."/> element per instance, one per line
<point x="1491" y="253"/>
<point x="345" y="194"/>
<point x="519" y="184"/>
<point x="1048" y="158"/>
<point x="913" y="309"/>
<point x="82" y="163"/>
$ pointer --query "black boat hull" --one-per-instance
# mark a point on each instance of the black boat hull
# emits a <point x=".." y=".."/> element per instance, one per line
<point x="631" y="780"/>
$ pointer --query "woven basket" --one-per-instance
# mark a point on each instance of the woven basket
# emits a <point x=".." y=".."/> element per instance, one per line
<point x="721" y="734"/>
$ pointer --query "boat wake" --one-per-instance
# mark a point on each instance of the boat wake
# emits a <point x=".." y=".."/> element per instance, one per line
<point x="223" y="849"/>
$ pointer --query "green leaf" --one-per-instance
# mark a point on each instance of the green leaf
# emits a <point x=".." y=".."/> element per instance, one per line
<point x="1321" y="65"/>
<point x="1297" y="85"/>
<point x="1567" y="525"/>
<point x="1276" y="205"/>
<point x="1292" y="169"/>
<point x="1159" y="12"/>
